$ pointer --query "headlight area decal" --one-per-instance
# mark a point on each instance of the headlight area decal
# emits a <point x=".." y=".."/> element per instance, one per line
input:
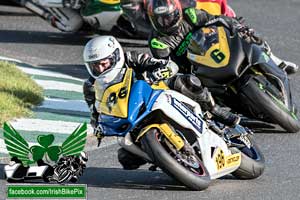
<point x="188" y="114"/>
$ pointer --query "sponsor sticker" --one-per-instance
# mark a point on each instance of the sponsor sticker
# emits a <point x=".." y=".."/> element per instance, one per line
<point x="188" y="114"/>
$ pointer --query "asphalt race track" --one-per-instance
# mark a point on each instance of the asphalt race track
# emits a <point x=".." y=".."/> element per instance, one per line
<point x="28" y="38"/>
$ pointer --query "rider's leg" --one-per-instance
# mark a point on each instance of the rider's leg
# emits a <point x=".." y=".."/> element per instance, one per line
<point x="89" y="97"/>
<point x="129" y="160"/>
<point x="288" y="66"/>
<point x="190" y="86"/>
<point x="65" y="19"/>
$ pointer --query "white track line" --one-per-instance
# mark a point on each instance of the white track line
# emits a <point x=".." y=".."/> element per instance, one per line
<point x="57" y="85"/>
<point x="40" y="71"/>
<point x="10" y="59"/>
<point x="61" y="104"/>
<point x="49" y="126"/>
<point x="43" y="72"/>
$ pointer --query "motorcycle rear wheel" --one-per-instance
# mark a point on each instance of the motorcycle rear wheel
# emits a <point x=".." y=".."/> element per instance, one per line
<point x="195" y="179"/>
<point x="264" y="104"/>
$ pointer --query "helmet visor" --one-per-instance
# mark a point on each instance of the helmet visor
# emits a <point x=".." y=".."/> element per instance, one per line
<point x="165" y="22"/>
<point x="99" y="67"/>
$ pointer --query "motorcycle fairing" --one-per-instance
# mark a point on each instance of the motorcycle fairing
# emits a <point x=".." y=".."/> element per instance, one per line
<point x="207" y="141"/>
<point x="215" y="48"/>
<point x="94" y="7"/>
<point x="222" y="74"/>
<point x="190" y="116"/>
<point x="223" y="162"/>
<point x="257" y="57"/>
<point x="140" y="100"/>
<point x="114" y="100"/>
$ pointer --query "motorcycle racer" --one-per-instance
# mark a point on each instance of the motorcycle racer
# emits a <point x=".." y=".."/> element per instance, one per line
<point x="104" y="59"/>
<point x="173" y="27"/>
<point x="215" y="7"/>
<point x="136" y="11"/>
<point x="61" y="14"/>
<point x="101" y="63"/>
<point x="77" y="15"/>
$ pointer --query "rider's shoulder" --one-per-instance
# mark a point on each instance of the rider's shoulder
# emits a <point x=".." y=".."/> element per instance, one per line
<point x="190" y="15"/>
<point x="158" y="42"/>
<point x="159" y="47"/>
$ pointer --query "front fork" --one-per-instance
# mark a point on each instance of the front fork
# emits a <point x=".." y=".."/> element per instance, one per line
<point x="231" y="134"/>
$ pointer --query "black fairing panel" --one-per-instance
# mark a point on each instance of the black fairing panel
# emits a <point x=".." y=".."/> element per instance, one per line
<point x="253" y="53"/>
<point x="228" y="73"/>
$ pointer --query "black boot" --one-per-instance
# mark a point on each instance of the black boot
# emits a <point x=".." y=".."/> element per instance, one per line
<point x="223" y="115"/>
<point x="126" y="27"/>
<point x="289" y="67"/>
<point x="128" y="160"/>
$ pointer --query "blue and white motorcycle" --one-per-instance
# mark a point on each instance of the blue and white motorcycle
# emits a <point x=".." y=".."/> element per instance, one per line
<point x="169" y="130"/>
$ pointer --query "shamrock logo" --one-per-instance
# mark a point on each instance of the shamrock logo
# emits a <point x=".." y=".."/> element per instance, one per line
<point x="45" y="141"/>
<point x="18" y="147"/>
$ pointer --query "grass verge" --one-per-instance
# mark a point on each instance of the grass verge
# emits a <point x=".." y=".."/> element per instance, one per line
<point x="18" y="93"/>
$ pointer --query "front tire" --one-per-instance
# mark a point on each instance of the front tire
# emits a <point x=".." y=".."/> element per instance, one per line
<point x="195" y="179"/>
<point x="252" y="162"/>
<point x="263" y="105"/>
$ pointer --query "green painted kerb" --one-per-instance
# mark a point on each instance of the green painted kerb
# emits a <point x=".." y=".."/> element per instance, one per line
<point x="157" y="44"/>
<point x="46" y="191"/>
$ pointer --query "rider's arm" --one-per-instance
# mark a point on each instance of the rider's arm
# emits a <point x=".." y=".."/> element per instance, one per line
<point x="200" y="18"/>
<point x="151" y="68"/>
<point x="197" y="17"/>
<point x="159" y="49"/>
<point x="141" y="62"/>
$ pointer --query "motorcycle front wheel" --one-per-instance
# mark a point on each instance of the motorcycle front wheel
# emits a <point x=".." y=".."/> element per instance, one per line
<point x="187" y="169"/>
<point x="263" y="105"/>
<point x="252" y="161"/>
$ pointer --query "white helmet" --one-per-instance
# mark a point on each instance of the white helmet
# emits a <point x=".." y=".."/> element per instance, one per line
<point x="104" y="58"/>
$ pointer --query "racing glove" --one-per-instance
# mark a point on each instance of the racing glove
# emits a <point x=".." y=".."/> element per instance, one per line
<point x="99" y="133"/>
<point x="161" y="73"/>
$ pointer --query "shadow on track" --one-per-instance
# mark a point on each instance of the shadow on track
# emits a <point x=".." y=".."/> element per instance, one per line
<point x="2" y="171"/>
<point x="129" y="179"/>
<point x="60" y="38"/>
<point x="17" y="14"/>
<point x="39" y="37"/>
<point x="258" y="126"/>
<point x="78" y="71"/>
<point x="8" y="2"/>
